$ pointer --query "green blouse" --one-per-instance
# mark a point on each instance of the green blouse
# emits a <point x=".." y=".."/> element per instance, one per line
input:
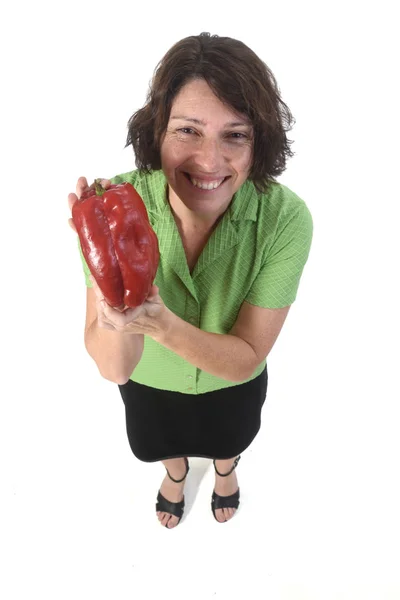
<point x="256" y="253"/>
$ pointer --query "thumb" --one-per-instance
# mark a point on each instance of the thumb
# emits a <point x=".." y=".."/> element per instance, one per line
<point x="154" y="291"/>
<point x="72" y="224"/>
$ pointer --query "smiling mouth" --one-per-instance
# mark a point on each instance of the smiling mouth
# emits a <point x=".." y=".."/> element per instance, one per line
<point x="206" y="185"/>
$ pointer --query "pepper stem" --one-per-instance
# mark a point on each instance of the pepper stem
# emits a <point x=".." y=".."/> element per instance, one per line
<point x="98" y="187"/>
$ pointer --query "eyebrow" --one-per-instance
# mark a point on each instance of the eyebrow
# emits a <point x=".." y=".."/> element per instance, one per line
<point x="200" y="122"/>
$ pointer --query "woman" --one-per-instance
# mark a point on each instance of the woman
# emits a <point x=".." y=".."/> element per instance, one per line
<point x="191" y="361"/>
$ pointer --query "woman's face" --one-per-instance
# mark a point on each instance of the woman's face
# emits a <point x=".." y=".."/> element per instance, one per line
<point x="206" y="152"/>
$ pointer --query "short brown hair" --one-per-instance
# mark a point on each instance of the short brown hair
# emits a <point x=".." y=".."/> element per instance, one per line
<point x="239" y="78"/>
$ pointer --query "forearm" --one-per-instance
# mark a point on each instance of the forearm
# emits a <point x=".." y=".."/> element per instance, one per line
<point x="115" y="354"/>
<point x="223" y="355"/>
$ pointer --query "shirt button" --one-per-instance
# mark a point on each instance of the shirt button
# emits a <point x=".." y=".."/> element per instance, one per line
<point x="192" y="320"/>
<point x="190" y="388"/>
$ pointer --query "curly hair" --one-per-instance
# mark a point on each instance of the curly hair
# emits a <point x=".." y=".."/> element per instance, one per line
<point x="240" y="79"/>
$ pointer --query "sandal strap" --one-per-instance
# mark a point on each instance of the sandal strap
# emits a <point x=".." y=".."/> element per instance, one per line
<point x="233" y="468"/>
<point x="184" y="477"/>
<point x="173" y="508"/>
<point x="225" y="501"/>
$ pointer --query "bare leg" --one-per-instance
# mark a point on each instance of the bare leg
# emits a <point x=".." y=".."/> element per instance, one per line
<point x="170" y="490"/>
<point x="225" y="486"/>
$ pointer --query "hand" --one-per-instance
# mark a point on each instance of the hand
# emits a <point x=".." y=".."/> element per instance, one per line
<point x="82" y="186"/>
<point x="151" y="318"/>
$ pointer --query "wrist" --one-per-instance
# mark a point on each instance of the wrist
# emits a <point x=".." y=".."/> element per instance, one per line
<point x="167" y="320"/>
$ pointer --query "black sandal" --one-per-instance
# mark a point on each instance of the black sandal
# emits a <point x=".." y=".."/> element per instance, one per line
<point x="225" y="501"/>
<point x="173" y="508"/>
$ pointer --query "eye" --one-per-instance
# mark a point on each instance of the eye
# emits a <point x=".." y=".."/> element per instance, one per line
<point x="186" y="130"/>
<point x="236" y="135"/>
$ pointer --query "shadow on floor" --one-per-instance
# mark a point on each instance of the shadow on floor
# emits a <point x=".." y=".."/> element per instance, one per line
<point x="198" y="470"/>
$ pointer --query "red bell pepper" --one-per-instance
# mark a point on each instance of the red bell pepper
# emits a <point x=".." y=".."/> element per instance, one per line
<point x="118" y="243"/>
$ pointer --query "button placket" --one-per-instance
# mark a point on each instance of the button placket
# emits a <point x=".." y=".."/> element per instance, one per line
<point x="192" y="313"/>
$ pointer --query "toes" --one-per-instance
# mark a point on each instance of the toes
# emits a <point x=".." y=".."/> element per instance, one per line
<point x="224" y="514"/>
<point x="172" y="522"/>
<point x="228" y="513"/>
<point x="220" y="515"/>
<point x="167" y="520"/>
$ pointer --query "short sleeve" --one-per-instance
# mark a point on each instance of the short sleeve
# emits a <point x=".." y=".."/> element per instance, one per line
<point x="119" y="179"/>
<point x="278" y="280"/>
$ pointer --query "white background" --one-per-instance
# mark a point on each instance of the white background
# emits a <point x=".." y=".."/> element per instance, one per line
<point x="319" y="517"/>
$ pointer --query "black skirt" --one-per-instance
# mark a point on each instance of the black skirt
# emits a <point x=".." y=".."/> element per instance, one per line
<point x="220" y="424"/>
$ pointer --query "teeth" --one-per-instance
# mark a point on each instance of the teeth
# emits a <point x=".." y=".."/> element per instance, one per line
<point x="212" y="185"/>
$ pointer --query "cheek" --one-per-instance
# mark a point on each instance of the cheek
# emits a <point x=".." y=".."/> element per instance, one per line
<point x="164" y="155"/>
<point x="249" y="161"/>
<point x="172" y="154"/>
<point x="244" y="164"/>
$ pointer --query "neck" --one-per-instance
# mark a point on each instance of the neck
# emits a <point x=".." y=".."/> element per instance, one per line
<point x="187" y="220"/>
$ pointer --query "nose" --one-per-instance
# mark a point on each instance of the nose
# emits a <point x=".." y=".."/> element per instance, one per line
<point x="209" y="157"/>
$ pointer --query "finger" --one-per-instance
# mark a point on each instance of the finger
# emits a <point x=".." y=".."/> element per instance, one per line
<point x="72" y="225"/>
<point x="154" y="290"/>
<point x="152" y="293"/>
<point x="154" y="298"/>
<point x="105" y="183"/>
<point x="72" y="198"/>
<point x="120" y="319"/>
<point x="104" y="325"/>
<point x="102" y="320"/>
<point x="81" y="186"/>
<point x="96" y="289"/>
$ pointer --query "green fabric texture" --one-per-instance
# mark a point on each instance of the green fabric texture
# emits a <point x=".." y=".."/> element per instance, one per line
<point x="256" y="254"/>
